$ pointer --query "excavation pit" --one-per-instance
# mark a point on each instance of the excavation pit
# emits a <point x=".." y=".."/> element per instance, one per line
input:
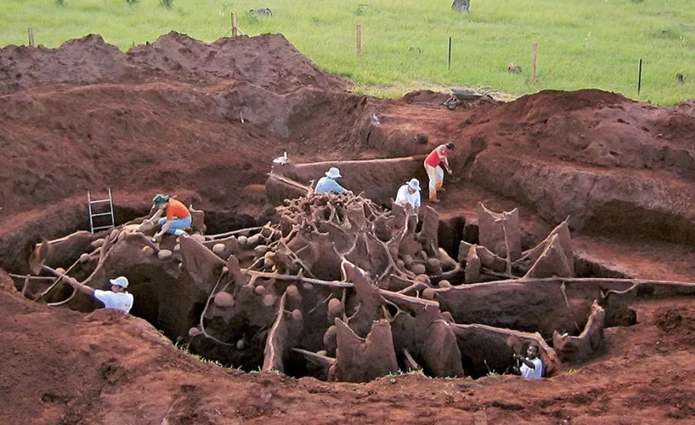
<point x="179" y="115"/>
<point x="338" y="288"/>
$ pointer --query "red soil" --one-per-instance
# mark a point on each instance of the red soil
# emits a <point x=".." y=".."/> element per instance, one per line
<point x="204" y="121"/>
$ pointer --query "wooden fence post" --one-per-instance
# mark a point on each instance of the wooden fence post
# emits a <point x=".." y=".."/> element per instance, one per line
<point x="448" y="67"/>
<point x="359" y="40"/>
<point x="31" y="37"/>
<point x="534" y="55"/>
<point x="235" y="30"/>
<point x="639" y="78"/>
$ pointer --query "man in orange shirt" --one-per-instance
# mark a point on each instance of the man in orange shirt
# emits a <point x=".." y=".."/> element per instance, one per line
<point x="434" y="164"/>
<point x="177" y="219"/>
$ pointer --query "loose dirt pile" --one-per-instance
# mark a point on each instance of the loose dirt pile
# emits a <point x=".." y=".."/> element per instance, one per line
<point x="205" y="121"/>
<point x="174" y="57"/>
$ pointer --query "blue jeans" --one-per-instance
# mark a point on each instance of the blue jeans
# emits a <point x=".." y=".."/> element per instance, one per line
<point x="176" y="224"/>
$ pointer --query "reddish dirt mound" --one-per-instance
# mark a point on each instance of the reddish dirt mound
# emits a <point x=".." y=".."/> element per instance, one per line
<point x="205" y="121"/>
<point x="678" y="323"/>
<point x="183" y="104"/>
<point x="173" y="57"/>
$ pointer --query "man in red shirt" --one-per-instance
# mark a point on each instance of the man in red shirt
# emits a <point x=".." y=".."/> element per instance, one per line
<point x="177" y="219"/>
<point x="435" y="163"/>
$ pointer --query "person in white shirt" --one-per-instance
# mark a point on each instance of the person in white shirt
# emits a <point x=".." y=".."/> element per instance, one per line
<point x="117" y="298"/>
<point x="409" y="196"/>
<point x="532" y="365"/>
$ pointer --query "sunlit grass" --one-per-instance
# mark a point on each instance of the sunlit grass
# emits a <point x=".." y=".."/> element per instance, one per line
<point x="589" y="43"/>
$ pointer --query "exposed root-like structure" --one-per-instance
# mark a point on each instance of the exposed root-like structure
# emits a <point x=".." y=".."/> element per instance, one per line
<point x="341" y="289"/>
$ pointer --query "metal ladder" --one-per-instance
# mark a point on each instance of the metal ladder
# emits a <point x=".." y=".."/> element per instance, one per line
<point x="107" y="214"/>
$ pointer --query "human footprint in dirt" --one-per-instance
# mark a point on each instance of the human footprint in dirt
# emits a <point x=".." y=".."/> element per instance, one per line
<point x="177" y="218"/>
<point x="435" y="164"/>
<point x="328" y="183"/>
<point x="531" y="365"/>
<point x="117" y="298"/>
<point x="408" y="196"/>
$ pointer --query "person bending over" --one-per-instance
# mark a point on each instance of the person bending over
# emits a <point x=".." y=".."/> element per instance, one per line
<point x="328" y="184"/>
<point x="409" y="196"/>
<point x="435" y="164"/>
<point x="177" y="217"/>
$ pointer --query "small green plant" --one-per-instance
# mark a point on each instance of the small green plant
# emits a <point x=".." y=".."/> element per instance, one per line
<point x="60" y="2"/>
<point x="667" y="34"/>
<point x="361" y="10"/>
<point x="400" y="372"/>
<point x="252" y="17"/>
<point x="166" y="3"/>
<point x="131" y="2"/>
<point x="490" y="372"/>
<point x="184" y="347"/>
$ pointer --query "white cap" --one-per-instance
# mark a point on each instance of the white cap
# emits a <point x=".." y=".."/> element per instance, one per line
<point x="333" y="173"/>
<point x="414" y="184"/>
<point x="121" y="281"/>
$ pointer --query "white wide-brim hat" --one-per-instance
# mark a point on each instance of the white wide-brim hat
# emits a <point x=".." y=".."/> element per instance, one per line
<point x="414" y="183"/>
<point x="333" y="173"/>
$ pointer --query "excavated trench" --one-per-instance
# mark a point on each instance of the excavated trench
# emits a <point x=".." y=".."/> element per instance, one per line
<point x="340" y="289"/>
<point x="349" y="287"/>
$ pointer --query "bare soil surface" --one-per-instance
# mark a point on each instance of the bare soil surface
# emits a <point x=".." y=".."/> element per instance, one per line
<point x="204" y="121"/>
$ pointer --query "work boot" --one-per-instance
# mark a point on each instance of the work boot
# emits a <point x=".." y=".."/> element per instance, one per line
<point x="435" y="201"/>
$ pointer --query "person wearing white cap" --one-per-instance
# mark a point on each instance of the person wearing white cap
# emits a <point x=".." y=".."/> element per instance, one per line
<point x="409" y="196"/>
<point x="329" y="184"/>
<point x="117" y="298"/>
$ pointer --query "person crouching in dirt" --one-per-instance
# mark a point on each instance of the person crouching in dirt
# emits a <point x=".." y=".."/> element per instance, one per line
<point x="177" y="219"/>
<point x="408" y="196"/>
<point x="532" y="365"/>
<point x="117" y="298"/>
<point x="435" y="163"/>
<point x="329" y="184"/>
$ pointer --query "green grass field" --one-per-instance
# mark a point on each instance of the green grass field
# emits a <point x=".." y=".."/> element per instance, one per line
<point x="581" y="43"/>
